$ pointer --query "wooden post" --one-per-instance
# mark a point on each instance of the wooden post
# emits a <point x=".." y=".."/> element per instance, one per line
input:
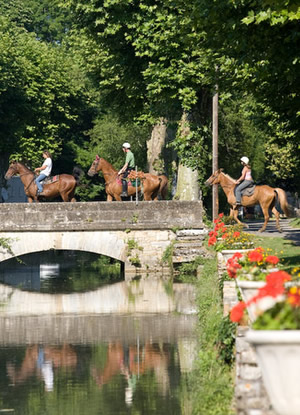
<point x="215" y="196"/>
<point x="136" y="187"/>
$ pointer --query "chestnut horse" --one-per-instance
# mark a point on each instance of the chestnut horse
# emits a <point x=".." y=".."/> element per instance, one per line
<point x="113" y="185"/>
<point x="264" y="195"/>
<point x="65" y="186"/>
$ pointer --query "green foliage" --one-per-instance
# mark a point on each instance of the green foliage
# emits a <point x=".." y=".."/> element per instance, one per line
<point x="213" y="378"/>
<point x="39" y="97"/>
<point x="282" y="316"/>
<point x="226" y="340"/>
<point x="106" y="139"/>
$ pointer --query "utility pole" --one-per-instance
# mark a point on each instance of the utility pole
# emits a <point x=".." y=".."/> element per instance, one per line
<point x="215" y="196"/>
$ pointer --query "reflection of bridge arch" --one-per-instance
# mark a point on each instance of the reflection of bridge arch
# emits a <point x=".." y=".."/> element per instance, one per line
<point x="145" y="296"/>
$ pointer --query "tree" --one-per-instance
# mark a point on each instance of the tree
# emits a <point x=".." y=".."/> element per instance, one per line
<point x="41" y="95"/>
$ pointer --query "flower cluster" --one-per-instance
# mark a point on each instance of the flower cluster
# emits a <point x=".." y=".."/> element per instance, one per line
<point x="228" y="237"/>
<point x="252" y="266"/>
<point x="277" y="304"/>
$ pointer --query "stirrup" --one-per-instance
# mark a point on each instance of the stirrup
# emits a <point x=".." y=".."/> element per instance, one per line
<point x="123" y="194"/>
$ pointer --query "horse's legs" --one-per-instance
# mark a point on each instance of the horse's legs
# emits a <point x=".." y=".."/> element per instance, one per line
<point x="235" y="216"/>
<point x="276" y="214"/>
<point x="265" y="211"/>
<point x="147" y="196"/>
<point x="109" y="198"/>
<point x="64" y="196"/>
<point x="117" y="197"/>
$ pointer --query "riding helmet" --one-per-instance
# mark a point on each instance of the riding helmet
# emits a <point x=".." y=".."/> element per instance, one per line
<point x="126" y="145"/>
<point x="245" y="160"/>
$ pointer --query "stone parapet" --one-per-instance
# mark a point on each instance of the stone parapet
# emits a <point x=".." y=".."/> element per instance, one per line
<point x="62" y="216"/>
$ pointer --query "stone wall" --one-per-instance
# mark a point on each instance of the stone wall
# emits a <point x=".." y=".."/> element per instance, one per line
<point x="135" y="234"/>
<point x="250" y="395"/>
<point x="91" y="216"/>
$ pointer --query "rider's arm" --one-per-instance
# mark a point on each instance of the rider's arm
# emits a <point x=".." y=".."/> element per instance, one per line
<point x="123" y="169"/>
<point x="244" y="171"/>
<point x="40" y="168"/>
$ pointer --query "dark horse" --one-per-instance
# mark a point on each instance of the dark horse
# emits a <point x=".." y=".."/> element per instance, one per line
<point x="113" y="186"/>
<point x="65" y="186"/>
<point x="264" y="195"/>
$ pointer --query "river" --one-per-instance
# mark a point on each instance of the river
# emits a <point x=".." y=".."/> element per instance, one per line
<point x="53" y="361"/>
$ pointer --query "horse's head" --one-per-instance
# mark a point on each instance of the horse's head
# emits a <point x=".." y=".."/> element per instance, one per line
<point x="12" y="170"/>
<point x="214" y="178"/>
<point x="95" y="167"/>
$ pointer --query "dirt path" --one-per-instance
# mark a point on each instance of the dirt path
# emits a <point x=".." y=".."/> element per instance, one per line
<point x="292" y="234"/>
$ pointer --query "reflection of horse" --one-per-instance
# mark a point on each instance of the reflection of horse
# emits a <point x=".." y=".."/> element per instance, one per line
<point x="113" y="186"/>
<point x="63" y="356"/>
<point x="131" y="360"/>
<point x="64" y="187"/>
<point x="264" y="195"/>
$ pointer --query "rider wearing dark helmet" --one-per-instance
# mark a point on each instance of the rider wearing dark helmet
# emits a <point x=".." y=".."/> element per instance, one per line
<point x="244" y="181"/>
<point x="128" y="166"/>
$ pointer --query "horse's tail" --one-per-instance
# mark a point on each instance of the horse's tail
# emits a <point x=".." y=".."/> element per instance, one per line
<point x="77" y="173"/>
<point x="283" y="202"/>
<point x="163" y="186"/>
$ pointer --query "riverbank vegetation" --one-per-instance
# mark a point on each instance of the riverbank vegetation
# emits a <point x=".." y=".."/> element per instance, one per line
<point x="212" y="381"/>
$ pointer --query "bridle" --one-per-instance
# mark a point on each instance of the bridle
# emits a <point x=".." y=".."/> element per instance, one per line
<point x="21" y="175"/>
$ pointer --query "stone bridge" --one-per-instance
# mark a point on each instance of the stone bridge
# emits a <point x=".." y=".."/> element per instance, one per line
<point x="138" y="235"/>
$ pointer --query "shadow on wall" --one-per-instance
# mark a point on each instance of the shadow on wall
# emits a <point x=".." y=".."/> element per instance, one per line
<point x="14" y="191"/>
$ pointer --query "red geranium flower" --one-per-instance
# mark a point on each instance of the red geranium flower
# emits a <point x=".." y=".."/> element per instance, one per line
<point x="272" y="259"/>
<point x="212" y="241"/>
<point x="236" y="234"/>
<point x="237" y="312"/>
<point x="294" y="296"/>
<point x="255" y="256"/>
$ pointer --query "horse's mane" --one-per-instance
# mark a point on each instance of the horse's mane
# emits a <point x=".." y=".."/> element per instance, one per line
<point x="108" y="164"/>
<point x="23" y="165"/>
<point x="229" y="177"/>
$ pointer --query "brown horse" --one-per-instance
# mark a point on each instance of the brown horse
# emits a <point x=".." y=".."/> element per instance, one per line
<point x="264" y="195"/>
<point x="113" y="185"/>
<point x="65" y="186"/>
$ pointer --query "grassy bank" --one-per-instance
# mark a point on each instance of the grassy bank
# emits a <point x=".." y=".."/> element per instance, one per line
<point x="212" y="380"/>
<point x="286" y="250"/>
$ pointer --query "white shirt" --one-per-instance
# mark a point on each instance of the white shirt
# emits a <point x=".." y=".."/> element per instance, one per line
<point x="48" y="164"/>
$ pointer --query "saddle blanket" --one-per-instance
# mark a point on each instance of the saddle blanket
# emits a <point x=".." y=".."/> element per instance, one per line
<point x="248" y="191"/>
<point x="51" y="179"/>
<point x="130" y="182"/>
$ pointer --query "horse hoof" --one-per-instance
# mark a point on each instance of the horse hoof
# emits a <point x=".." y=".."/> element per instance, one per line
<point x="261" y="230"/>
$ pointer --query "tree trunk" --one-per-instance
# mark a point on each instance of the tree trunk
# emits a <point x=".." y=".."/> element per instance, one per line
<point x="187" y="179"/>
<point x="155" y="147"/>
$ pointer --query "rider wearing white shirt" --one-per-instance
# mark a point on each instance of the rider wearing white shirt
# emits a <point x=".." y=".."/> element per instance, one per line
<point x="45" y="169"/>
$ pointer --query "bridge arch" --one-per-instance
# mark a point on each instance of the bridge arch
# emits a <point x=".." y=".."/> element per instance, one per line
<point x="107" y="243"/>
<point x="135" y="234"/>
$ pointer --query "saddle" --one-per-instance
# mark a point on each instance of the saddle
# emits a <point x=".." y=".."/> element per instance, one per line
<point x="248" y="191"/>
<point x="50" y="179"/>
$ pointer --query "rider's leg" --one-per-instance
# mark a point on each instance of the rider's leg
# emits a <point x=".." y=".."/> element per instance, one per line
<point x="38" y="180"/>
<point x="238" y="190"/>
<point x="124" y="188"/>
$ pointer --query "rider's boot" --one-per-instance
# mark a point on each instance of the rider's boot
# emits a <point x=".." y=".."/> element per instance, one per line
<point x="124" y="189"/>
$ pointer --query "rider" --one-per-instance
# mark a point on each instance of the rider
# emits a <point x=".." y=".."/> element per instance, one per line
<point x="128" y="166"/>
<point x="45" y="169"/>
<point x="244" y="181"/>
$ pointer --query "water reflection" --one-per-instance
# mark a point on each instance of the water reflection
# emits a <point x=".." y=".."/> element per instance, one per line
<point x="96" y="365"/>
<point x="60" y="271"/>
